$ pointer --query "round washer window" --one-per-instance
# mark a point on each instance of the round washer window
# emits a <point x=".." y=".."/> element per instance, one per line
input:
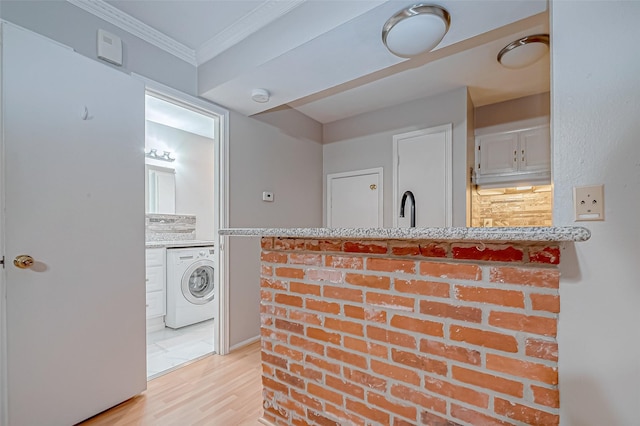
<point x="198" y="283"/>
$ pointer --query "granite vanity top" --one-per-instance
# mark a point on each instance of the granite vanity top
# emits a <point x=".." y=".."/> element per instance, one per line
<point x="179" y="243"/>
<point x="547" y="233"/>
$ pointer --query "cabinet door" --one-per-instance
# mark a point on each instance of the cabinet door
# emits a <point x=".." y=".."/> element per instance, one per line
<point x="155" y="304"/>
<point x="535" y="149"/>
<point x="498" y="153"/>
<point x="155" y="278"/>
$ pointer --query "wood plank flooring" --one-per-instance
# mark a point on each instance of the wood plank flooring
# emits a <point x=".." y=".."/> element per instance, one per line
<point x="214" y="391"/>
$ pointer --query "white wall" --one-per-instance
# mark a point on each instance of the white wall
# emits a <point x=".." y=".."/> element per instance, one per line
<point x="73" y="27"/>
<point x="264" y="158"/>
<point x="513" y="110"/>
<point x="596" y="108"/>
<point x="195" y="172"/>
<point x="366" y="141"/>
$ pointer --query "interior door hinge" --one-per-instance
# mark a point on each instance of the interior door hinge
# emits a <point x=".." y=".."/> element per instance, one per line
<point x="2" y="262"/>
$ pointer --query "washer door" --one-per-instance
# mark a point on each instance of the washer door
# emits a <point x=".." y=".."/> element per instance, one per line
<point x="197" y="282"/>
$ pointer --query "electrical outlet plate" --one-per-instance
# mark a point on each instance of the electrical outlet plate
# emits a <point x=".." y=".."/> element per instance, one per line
<point x="589" y="202"/>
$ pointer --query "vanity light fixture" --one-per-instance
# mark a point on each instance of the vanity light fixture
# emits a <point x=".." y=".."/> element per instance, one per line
<point x="165" y="156"/>
<point x="525" y="51"/>
<point x="415" y="30"/>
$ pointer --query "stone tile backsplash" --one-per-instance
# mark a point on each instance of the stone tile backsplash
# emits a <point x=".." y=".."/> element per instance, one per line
<point x="512" y="208"/>
<point x="170" y="227"/>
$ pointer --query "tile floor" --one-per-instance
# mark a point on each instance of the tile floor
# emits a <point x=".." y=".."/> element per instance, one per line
<point x="168" y="349"/>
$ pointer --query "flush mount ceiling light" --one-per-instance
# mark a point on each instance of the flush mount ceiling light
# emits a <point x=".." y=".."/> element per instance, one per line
<point x="260" y="95"/>
<point x="525" y="51"/>
<point x="415" y="30"/>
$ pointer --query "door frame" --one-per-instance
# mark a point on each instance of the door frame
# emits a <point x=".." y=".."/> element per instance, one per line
<point x="447" y="129"/>
<point x="4" y="397"/>
<point x="374" y="171"/>
<point x="221" y="195"/>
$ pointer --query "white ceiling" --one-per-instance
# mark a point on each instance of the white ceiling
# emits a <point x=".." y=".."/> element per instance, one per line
<point x="326" y="59"/>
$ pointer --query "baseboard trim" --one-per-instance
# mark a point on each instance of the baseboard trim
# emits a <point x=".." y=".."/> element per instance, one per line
<point x="244" y="343"/>
<point x="155" y="324"/>
<point x="265" y="422"/>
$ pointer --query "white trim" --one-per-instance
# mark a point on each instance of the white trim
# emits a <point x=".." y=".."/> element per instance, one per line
<point x="244" y="343"/>
<point x="377" y="171"/>
<point x="155" y="324"/>
<point x="447" y="129"/>
<point x="258" y="18"/>
<point x="124" y="21"/>
<point x="221" y="196"/>
<point x="4" y="395"/>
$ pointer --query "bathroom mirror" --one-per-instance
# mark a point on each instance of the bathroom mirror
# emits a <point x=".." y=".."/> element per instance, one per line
<point x="160" y="188"/>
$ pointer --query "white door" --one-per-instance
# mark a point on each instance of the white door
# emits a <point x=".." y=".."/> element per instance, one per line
<point x="354" y="199"/>
<point x="74" y="188"/>
<point x="423" y="165"/>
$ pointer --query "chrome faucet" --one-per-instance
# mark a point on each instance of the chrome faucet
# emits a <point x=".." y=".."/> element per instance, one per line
<point x="413" y="207"/>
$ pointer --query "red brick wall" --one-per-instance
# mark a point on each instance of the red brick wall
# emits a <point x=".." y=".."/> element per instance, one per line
<point x="409" y="332"/>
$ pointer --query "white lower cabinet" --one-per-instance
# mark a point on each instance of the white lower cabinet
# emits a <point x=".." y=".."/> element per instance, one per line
<point x="156" y="282"/>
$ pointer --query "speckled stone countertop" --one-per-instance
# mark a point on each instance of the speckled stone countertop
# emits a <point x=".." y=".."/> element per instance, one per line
<point x="179" y="243"/>
<point x="551" y="233"/>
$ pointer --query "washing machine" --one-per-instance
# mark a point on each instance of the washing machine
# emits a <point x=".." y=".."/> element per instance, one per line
<point x="190" y="286"/>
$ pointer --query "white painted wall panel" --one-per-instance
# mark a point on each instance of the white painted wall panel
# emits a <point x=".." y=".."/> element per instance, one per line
<point x="595" y="131"/>
<point x="265" y="158"/>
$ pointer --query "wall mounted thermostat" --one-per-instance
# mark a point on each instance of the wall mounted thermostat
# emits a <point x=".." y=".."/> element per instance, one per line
<point x="109" y="47"/>
<point x="267" y="196"/>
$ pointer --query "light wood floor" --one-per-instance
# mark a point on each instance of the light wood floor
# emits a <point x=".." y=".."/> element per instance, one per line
<point x="217" y="390"/>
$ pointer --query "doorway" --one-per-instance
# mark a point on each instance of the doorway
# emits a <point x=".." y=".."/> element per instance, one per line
<point x="184" y="209"/>
<point x="423" y="164"/>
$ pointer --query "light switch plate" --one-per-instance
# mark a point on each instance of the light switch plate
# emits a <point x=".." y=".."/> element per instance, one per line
<point x="589" y="202"/>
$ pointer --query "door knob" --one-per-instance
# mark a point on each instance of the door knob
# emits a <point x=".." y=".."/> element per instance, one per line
<point x="23" y="261"/>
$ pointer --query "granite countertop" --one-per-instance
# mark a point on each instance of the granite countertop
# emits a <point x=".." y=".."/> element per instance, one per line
<point x="550" y="233"/>
<point x="179" y="243"/>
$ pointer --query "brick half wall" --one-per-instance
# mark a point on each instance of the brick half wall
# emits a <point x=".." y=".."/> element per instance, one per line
<point x="409" y="332"/>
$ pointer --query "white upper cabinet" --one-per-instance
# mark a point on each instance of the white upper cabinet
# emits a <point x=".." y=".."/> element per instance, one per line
<point x="497" y="153"/>
<point x="535" y="149"/>
<point x="507" y="155"/>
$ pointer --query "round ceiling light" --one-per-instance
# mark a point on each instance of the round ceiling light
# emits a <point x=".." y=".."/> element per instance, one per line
<point x="260" y="95"/>
<point x="415" y="30"/>
<point x="525" y="51"/>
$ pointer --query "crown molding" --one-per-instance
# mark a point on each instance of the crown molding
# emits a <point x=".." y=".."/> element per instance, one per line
<point x="258" y="18"/>
<point x="122" y="20"/>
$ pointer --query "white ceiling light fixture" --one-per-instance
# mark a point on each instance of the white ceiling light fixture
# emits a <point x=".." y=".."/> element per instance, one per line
<point x="415" y="30"/>
<point x="525" y="51"/>
<point x="260" y="95"/>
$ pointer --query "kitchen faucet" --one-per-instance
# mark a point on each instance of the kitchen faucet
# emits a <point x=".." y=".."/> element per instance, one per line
<point x="413" y="207"/>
